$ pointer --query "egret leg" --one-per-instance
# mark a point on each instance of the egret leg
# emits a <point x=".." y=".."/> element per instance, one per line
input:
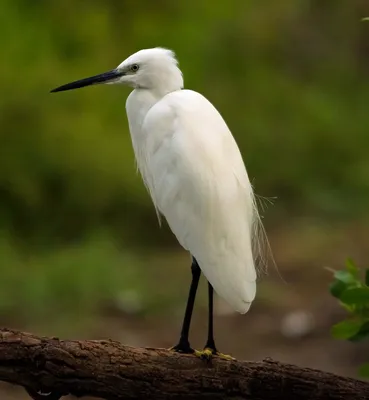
<point x="210" y="344"/>
<point x="210" y="348"/>
<point x="184" y="345"/>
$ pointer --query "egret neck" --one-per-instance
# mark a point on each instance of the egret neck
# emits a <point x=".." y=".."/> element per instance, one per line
<point x="147" y="92"/>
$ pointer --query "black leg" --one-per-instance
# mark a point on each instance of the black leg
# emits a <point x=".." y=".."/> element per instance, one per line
<point x="210" y="344"/>
<point x="184" y="345"/>
<point x="210" y="348"/>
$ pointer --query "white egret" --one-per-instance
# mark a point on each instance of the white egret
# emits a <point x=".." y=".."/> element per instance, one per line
<point x="195" y="174"/>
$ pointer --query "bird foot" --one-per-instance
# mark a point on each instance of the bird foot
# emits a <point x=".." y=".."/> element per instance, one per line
<point x="208" y="353"/>
<point x="225" y="356"/>
<point x="183" y="347"/>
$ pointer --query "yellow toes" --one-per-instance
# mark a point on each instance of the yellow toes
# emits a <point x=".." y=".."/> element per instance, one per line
<point x="198" y="353"/>
<point x="225" y="356"/>
<point x="207" y="354"/>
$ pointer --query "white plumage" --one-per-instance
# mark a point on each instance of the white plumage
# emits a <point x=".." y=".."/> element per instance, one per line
<point x="195" y="174"/>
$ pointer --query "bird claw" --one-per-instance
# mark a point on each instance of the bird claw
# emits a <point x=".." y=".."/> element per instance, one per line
<point x="182" y="348"/>
<point x="207" y="354"/>
<point x="225" y="356"/>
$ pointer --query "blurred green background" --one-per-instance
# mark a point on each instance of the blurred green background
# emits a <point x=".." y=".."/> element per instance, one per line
<point x="81" y="252"/>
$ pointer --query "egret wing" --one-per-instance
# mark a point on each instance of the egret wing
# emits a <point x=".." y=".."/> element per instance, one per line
<point x="198" y="181"/>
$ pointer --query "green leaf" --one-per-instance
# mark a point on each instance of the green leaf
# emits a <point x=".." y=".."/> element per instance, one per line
<point x="351" y="267"/>
<point x="344" y="276"/>
<point x="356" y="296"/>
<point x="346" y="329"/>
<point x="365" y="19"/>
<point x="364" y="370"/>
<point x="337" y="287"/>
<point x="367" y="277"/>
<point x="362" y="334"/>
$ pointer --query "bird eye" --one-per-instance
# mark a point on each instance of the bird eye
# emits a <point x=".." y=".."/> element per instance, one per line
<point x="134" y="68"/>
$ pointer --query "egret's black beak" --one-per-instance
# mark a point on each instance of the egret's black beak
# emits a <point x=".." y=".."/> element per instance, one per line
<point x="106" y="77"/>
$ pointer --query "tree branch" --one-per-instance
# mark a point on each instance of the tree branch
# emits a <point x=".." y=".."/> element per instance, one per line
<point x="111" y="371"/>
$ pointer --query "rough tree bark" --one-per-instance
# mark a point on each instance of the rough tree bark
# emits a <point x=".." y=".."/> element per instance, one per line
<point x="108" y="370"/>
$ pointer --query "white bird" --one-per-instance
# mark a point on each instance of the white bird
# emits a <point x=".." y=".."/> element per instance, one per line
<point x="195" y="174"/>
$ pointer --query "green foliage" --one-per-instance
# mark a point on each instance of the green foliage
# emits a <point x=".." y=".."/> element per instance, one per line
<point x="71" y="283"/>
<point x="364" y="369"/>
<point x="289" y="79"/>
<point x="346" y="329"/>
<point x="351" y="288"/>
<point x="71" y="286"/>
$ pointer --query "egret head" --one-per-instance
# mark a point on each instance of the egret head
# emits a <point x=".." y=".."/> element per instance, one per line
<point x="153" y="69"/>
